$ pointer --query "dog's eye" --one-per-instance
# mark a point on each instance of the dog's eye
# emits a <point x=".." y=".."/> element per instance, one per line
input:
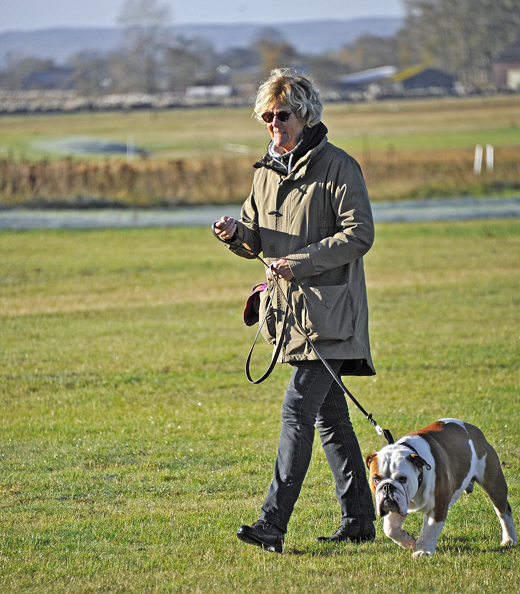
<point x="402" y="479"/>
<point x="376" y="480"/>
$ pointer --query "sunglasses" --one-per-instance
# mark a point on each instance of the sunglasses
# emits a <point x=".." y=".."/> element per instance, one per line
<point x="269" y="116"/>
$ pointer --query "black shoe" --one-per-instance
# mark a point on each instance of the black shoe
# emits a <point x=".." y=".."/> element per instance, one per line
<point x="351" y="533"/>
<point x="262" y="534"/>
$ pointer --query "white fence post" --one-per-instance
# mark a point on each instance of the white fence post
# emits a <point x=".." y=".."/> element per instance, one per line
<point x="477" y="163"/>
<point x="490" y="158"/>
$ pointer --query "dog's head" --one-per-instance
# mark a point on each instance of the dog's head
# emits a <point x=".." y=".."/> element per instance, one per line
<point x="395" y="477"/>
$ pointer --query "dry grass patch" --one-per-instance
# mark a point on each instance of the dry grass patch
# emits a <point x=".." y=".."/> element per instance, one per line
<point x="390" y="175"/>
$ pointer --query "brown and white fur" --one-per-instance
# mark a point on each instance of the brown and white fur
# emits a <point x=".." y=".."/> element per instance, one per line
<point x="427" y="471"/>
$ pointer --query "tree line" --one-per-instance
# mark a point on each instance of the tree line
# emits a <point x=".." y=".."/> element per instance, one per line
<point x="461" y="37"/>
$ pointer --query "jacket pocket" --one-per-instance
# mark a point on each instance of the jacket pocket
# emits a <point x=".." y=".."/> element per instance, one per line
<point x="327" y="313"/>
<point x="268" y="330"/>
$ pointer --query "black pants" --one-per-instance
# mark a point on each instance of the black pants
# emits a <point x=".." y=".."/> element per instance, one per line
<point x="312" y="399"/>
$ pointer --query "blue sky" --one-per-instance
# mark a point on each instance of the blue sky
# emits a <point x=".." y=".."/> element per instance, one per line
<point x="41" y="14"/>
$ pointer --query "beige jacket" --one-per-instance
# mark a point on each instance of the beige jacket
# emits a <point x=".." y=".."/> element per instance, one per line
<point x="318" y="217"/>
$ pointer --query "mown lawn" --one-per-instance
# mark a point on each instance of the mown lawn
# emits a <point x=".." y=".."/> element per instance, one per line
<point x="132" y="446"/>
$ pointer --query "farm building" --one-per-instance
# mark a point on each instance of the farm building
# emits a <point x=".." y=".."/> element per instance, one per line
<point x="54" y="77"/>
<point x="423" y="77"/>
<point x="506" y="68"/>
<point x="388" y="82"/>
<point x="362" y="79"/>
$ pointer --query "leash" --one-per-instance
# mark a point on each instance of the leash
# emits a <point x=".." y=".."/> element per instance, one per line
<point x="379" y="430"/>
<point x="276" y="350"/>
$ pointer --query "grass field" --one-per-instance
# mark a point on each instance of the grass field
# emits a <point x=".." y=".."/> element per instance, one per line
<point x="399" y="125"/>
<point x="132" y="447"/>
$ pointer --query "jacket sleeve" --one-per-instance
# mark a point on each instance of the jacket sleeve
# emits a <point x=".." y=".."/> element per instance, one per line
<point x="353" y="221"/>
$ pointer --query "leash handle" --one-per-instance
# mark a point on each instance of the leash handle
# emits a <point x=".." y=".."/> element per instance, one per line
<point x="278" y="347"/>
<point x="276" y="350"/>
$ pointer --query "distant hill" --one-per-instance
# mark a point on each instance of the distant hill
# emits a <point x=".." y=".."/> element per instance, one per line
<point x="306" y="37"/>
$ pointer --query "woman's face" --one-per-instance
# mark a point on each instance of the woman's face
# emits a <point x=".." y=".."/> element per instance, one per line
<point x="285" y="135"/>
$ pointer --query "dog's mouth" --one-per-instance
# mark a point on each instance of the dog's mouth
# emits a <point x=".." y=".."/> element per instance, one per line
<point x="391" y="498"/>
<point x="388" y="505"/>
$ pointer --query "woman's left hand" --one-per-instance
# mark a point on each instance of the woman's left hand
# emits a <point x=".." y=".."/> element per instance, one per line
<point x="281" y="269"/>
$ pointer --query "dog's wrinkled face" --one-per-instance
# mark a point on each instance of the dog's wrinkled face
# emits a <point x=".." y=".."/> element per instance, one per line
<point x="393" y="479"/>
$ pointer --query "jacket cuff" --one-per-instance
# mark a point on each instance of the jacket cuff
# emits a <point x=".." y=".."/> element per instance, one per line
<point x="239" y="236"/>
<point x="236" y="240"/>
<point x="300" y="265"/>
<point x="236" y="243"/>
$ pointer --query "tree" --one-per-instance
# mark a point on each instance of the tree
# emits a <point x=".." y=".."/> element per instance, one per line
<point x="460" y="36"/>
<point x="274" y="50"/>
<point x="146" y="39"/>
<point x="371" y="51"/>
<point x="325" y="68"/>
<point x="188" y="62"/>
<point x="91" y="75"/>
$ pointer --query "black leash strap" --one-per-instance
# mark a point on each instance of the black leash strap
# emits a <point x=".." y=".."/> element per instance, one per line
<point x="379" y="430"/>
<point x="277" y="348"/>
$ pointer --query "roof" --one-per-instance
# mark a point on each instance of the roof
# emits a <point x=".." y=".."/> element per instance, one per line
<point x="423" y="76"/>
<point x="368" y="76"/>
<point x="510" y="54"/>
<point x="408" y="72"/>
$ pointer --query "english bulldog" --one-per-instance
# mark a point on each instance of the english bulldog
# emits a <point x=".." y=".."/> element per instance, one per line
<point x="427" y="471"/>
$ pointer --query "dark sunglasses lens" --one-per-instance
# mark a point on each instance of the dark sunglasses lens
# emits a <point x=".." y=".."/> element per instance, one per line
<point x="283" y="116"/>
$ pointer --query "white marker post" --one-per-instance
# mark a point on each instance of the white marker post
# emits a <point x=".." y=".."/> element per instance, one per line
<point x="490" y="158"/>
<point x="477" y="163"/>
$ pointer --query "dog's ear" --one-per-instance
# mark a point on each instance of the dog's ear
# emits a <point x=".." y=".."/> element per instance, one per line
<point x="419" y="462"/>
<point x="369" y="459"/>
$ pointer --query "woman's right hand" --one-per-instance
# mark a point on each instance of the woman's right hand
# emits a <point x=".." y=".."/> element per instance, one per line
<point x="225" y="228"/>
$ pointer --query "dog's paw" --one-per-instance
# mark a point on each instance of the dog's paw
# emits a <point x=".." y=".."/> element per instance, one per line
<point x="404" y="540"/>
<point x="508" y="542"/>
<point x="419" y="554"/>
<point x="409" y="542"/>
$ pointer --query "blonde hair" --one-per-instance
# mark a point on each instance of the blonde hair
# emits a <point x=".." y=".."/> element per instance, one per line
<point x="294" y="90"/>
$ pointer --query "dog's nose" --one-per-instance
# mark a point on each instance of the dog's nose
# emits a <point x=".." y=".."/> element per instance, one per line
<point x="387" y="489"/>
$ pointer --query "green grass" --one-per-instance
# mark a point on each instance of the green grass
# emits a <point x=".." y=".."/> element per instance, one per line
<point x="399" y="125"/>
<point x="132" y="447"/>
<point x="428" y="140"/>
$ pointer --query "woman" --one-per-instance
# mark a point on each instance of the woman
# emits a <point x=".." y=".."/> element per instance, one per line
<point x="309" y="213"/>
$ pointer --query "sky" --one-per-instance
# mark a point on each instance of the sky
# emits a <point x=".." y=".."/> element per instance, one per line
<point x="26" y="15"/>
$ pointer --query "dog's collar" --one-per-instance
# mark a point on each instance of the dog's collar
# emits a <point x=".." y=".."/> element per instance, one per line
<point x="421" y="474"/>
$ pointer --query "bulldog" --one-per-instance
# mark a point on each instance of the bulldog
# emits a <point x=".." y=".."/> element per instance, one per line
<point x="427" y="471"/>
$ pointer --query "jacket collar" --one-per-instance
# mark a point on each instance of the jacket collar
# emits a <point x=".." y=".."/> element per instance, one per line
<point x="312" y="138"/>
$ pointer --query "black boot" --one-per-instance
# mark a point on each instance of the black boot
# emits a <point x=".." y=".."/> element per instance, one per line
<point x="351" y="533"/>
<point x="262" y="534"/>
